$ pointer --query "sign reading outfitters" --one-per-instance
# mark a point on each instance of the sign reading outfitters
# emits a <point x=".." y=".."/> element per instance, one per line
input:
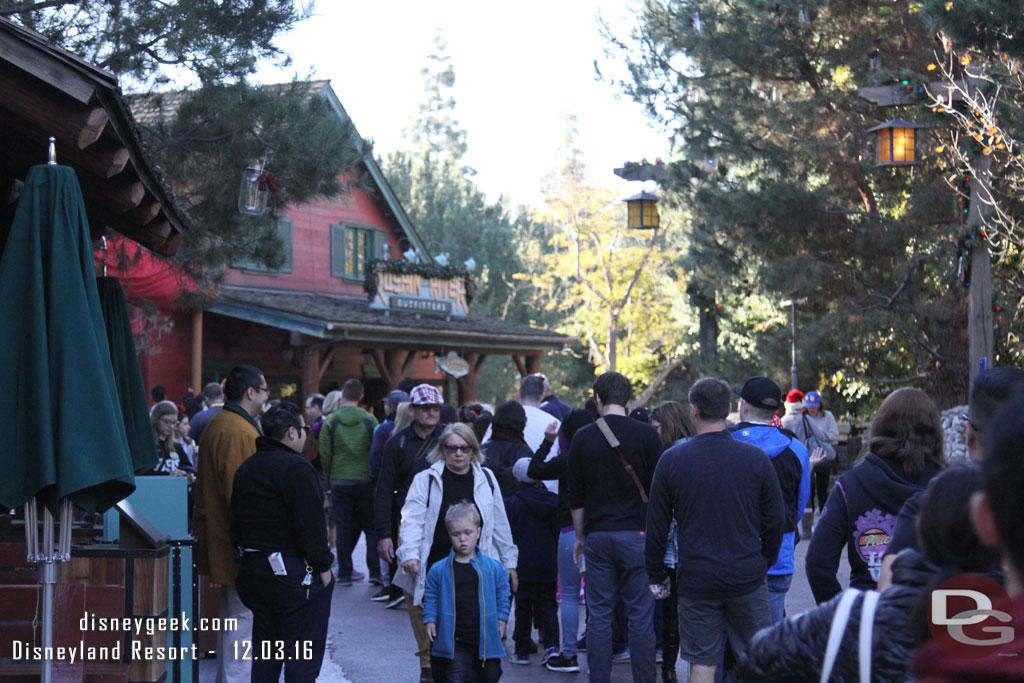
<point x="415" y="293"/>
<point x="970" y="616"/>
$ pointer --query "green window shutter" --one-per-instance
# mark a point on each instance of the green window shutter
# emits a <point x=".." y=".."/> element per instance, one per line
<point x="338" y="251"/>
<point x="371" y="249"/>
<point x="284" y="232"/>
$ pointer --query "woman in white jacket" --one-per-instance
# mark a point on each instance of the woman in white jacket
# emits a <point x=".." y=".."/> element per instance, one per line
<point x="455" y="474"/>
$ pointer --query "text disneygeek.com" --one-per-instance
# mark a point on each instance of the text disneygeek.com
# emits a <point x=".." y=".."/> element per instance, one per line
<point x="134" y="626"/>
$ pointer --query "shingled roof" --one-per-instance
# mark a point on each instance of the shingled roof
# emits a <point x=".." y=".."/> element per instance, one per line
<point x="151" y="109"/>
<point x="47" y="91"/>
<point x="351" y="318"/>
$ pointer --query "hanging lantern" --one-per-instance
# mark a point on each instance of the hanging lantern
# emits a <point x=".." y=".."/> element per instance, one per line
<point x="895" y="144"/>
<point x="642" y="211"/>
<point x="253" y="192"/>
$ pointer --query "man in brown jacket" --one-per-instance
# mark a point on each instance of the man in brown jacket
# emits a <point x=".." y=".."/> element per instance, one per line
<point x="229" y="439"/>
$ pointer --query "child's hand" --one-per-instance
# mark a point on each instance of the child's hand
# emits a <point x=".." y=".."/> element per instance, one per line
<point x="432" y="630"/>
<point x="513" y="580"/>
<point x="501" y="629"/>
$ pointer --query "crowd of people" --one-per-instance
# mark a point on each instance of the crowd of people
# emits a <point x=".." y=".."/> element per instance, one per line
<point x="678" y="524"/>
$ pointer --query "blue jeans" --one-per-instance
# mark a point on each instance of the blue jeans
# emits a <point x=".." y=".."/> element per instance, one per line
<point x="569" y="575"/>
<point x="615" y="564"/>
<point x="778" y="586"/>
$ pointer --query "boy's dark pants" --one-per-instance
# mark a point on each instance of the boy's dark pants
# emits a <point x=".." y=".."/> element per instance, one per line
<point x="535" y="603"/>
<point x="465" y="667"/>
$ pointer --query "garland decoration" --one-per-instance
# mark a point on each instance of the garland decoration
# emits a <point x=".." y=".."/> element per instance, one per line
<point x="427" y="270"/>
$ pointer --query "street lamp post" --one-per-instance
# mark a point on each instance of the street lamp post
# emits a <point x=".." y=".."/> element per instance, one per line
<point x="792" y="304"/>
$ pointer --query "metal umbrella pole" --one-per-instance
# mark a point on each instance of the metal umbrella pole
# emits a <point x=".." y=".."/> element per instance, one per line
<point x="54" y="550"/>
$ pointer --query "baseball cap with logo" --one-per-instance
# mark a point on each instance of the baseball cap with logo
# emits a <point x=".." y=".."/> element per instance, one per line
<point x="426" y="395"/>
<point x="396" y="397"/>
<point x="813" y="399"/>
<point x="760" y="392"/>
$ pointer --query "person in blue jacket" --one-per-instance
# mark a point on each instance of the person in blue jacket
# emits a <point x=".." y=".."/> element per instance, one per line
<point x="760" y="397"/>
<point x="466" y="605"/>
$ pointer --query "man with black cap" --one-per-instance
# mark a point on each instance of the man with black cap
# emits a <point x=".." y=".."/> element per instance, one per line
<point x="725" y="498"/>
<point x="760" y="397"/>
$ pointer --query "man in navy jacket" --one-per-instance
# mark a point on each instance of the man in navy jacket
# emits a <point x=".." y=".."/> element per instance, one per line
<point x="725" y="497"/>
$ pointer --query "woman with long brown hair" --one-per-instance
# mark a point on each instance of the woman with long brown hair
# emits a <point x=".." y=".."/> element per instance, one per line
<point x="904" y="453"/>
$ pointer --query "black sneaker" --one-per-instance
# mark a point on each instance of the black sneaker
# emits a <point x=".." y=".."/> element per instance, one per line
<point x="396" y="598"/>
<point x="563" y="664"/>
<point x="426" y="676"/>
<point x="384" y="594"/>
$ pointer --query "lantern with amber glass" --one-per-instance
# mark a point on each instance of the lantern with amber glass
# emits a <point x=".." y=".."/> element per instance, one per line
<point x="896" y="143"/>
<point x="642" y="211"/>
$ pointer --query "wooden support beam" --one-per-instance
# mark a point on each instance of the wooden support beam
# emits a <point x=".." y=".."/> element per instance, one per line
<point x="68" y="121"/>
<point x="408" y="362"/>
<point x="104" y="160"/>
<point x="520" y="365"/>
<point x="146" y="212"/>
<point x="118" y="160"/>
<point x="467" y="383"/>
<point x="310" y="372"/>
<point x="397" y="360"/>
<point x="93" y="125"/>
<point x="197" y="351"/>
<point x="382" y="366"/>
<point x="532" y="364"/>
<point x="328" y="358"/>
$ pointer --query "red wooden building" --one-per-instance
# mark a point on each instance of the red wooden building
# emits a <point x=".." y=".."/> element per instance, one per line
<point x="310" y="325"/>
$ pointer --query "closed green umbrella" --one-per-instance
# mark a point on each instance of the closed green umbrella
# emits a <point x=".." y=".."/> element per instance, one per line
<point x="66" y="436"/>
<point x="125" y="362"/>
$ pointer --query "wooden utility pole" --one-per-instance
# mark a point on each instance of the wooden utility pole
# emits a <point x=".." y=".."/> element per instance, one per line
<point x="979" y="293"/>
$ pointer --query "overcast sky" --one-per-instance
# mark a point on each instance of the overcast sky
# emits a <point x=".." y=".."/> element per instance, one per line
<point x="520" y="67"/>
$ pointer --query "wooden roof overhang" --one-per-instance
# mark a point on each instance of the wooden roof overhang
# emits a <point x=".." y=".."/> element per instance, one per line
<point x="350" y="321"/>
<point x="46" y="91"/>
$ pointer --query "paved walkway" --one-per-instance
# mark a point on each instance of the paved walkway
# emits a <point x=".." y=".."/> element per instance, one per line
<point x="370" y="644"/>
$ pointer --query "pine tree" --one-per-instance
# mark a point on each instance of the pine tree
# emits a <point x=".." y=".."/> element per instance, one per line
<point x="450" y="212"/>
<point x="223" y="123"/>
<point x="775" y="167"/>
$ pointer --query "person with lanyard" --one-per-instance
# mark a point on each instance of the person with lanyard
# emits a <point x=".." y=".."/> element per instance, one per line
<point x="280" y="535"/>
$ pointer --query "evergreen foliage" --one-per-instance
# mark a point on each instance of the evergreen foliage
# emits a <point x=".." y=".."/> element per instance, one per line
<point x="222" y="124"/>
<point x="778" y="174"/>
<point x="449" y="211"/>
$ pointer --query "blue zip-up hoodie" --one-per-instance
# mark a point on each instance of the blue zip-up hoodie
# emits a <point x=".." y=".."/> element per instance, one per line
<point x="439" y="605"/>
<point x="793" y="466"/>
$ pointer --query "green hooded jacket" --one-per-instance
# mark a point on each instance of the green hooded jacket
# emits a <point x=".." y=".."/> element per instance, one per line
<point x="345" y="444"/>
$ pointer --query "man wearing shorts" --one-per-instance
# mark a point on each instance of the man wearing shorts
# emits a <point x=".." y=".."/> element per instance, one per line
<point x="725" y="496"/>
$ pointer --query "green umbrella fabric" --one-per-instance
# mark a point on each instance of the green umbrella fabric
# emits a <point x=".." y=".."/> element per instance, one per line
<point x="65" y="436"/>
<point x="124" y="359"/>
